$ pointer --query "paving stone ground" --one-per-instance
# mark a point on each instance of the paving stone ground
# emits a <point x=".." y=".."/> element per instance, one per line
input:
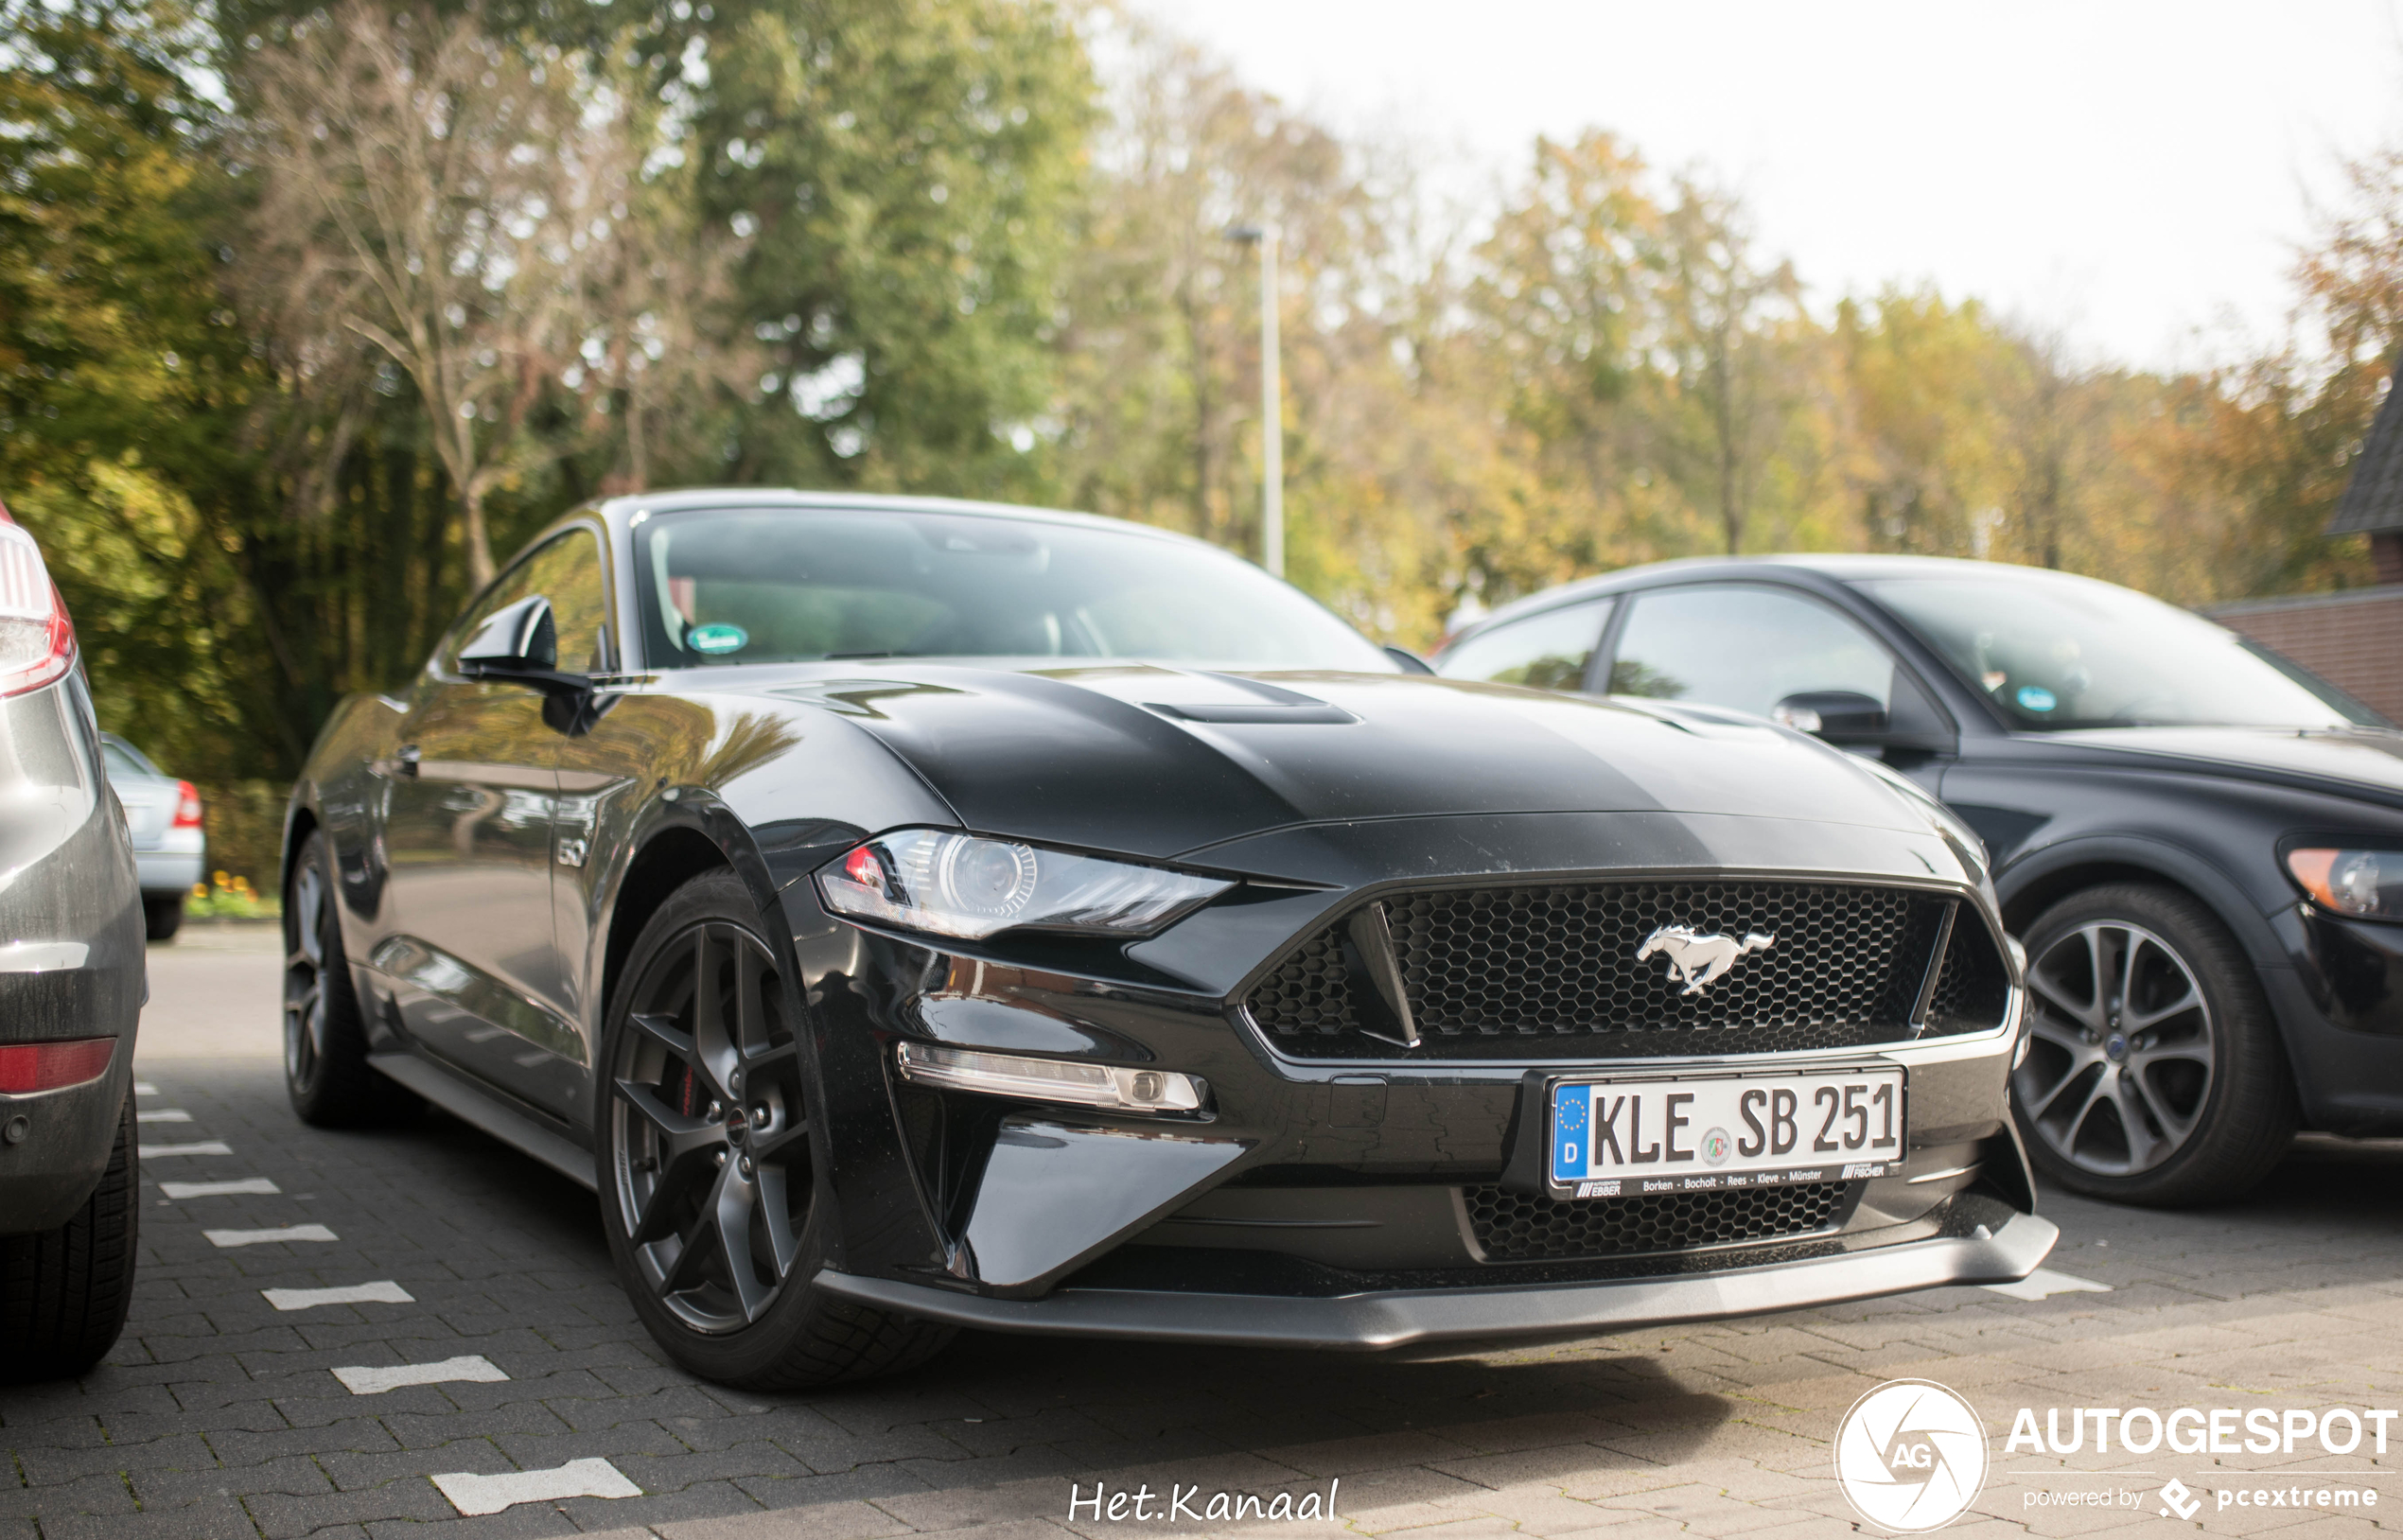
<point x="220" y="1416"/>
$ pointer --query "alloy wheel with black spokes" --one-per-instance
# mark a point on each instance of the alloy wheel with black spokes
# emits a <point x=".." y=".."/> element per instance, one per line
<point x="706" y="1158"/>
<point x="709" y="1135"/>
<point x="2153" y="1071"/>
<point x="325" y="1068"/>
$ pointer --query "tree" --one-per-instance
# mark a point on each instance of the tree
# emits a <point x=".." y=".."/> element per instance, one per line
<point x="906" y="175"/>
<point x="445" y="197"/>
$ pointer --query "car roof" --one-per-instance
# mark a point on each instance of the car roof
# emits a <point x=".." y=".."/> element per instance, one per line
<point x="1832" y="565"/>
<point x="625" y="508"/>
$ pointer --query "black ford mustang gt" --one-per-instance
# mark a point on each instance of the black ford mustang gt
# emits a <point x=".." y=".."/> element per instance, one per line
<point x="911" y="915"/>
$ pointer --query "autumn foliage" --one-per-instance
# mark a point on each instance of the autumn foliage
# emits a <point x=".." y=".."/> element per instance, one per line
<point x="306" y="315"/>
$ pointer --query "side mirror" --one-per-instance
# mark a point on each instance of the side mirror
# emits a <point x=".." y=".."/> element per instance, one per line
<point x="1840" y="716"/>
<point x="522" y="639"/>
<point x="1410" y="662"/>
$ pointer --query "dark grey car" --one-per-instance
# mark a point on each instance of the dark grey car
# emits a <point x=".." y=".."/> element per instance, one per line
<point x="70" y="993"/>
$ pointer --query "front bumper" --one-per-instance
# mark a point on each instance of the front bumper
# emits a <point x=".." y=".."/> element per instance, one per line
<point x="1358" y="1202"/>
<point x="1373" y="1322"/>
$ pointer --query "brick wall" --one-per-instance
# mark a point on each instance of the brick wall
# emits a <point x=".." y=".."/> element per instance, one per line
<point x="2353" y="640"/>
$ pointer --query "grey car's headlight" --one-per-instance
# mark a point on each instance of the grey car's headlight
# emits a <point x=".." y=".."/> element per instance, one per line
<point x="2367" y="884"/>
<point x="960" y="884"/>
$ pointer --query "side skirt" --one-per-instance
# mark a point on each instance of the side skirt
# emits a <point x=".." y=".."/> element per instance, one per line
<point x="482" y="1110"/>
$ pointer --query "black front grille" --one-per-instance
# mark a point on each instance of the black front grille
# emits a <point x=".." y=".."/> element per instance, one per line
<point x="1512" y="1227"/>
<point x="1552" y="971"/>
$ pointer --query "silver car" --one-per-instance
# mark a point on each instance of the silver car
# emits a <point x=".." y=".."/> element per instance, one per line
<point x="163" y="816"/>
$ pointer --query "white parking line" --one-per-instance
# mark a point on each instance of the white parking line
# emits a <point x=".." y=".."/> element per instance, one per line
<point x="144" y="1088"/>
<point x="170" y="1114"/>
<point x="262" y="1238"/>
<point x="218" y="1189"/>
<point x="475" y="1367"/>
<point x="382" y="1292"/>
<point x="594" y="1477"/>
<point x="2045" y="1282"/>
<point x="206" y="1146"/>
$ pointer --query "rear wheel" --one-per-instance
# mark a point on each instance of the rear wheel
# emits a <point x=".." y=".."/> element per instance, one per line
<point x="708" y="1180"/>
<point x="63" y="1292"/>
<point x="326" y="1069"/>
<point x="2154" y="1073"/>
<point x="163" y="917"/>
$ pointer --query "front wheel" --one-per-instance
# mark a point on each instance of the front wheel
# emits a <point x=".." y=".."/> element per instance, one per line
<point x="709" y="1184"/>
<point x="2154" y="1073"/>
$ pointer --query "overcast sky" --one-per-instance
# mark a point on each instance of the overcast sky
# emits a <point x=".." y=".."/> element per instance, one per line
<point x="2133" y="173"/>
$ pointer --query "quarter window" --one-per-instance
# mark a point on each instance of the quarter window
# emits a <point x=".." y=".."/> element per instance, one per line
<point x="1746" y="647"/>
<point x="1548" y="651"/>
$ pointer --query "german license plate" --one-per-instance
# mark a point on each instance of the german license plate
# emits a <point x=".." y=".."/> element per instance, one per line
<point x="1625" y="1138"/>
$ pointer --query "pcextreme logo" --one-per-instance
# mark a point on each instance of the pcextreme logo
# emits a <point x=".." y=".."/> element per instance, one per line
<point x="1910" y="1456"/>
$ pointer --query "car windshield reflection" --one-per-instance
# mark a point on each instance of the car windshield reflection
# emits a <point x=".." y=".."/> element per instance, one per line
<point x="2056" y="652"/>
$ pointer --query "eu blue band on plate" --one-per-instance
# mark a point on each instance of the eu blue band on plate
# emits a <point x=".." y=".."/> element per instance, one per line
<point x="1573" y="1107"/>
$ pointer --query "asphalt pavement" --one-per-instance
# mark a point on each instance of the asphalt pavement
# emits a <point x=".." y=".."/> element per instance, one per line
<point x="418" y="1332"/>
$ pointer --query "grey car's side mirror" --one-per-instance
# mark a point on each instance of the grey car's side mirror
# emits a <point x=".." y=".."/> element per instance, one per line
<point x="519" y="639"/>
<point x="1840" y="716"/>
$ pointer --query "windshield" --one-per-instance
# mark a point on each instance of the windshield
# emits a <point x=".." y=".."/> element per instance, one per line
<point x="780" y="586"/>
<point x="2056" y="652"/>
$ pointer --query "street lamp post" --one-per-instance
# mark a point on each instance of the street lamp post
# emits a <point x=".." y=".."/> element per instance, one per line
<point x="1271" y="402"/>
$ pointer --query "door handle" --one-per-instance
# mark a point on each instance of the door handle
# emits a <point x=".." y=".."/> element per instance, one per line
<point x="405" y="760"/>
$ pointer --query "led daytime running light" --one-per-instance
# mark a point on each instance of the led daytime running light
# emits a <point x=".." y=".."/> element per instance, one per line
<point x="1050" y="1080"/>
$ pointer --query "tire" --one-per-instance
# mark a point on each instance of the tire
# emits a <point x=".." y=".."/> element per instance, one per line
<point x="63" y="1292"/>
<point x="161" y="918"/>
<point x="704" y="1111"/>
<point x="2154" y="1072"/>
<point x="326" y="1069"/>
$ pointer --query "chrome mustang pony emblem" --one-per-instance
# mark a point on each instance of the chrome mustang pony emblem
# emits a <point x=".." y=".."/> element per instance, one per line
<point x="1698" y="961"/>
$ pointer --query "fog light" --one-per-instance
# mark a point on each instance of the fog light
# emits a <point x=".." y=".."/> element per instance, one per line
<point x="1050" y="1080"/>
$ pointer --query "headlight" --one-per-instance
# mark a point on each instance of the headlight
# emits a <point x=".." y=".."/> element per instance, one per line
<point x="957" y="885"/>
<point x="2364" y="882"/>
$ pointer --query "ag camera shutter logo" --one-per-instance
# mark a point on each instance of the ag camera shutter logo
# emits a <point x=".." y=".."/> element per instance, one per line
<point x="1910" y="1456"/>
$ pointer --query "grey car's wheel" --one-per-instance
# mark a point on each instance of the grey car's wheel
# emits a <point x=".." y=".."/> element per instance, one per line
<point x="63" y="1292"/>
<point x="707" y="1169"/>
<point x="326" y="1069"/>
<point x="2154" y="1073"/>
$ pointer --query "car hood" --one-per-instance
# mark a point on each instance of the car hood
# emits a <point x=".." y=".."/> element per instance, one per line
<point x="2365" y="762"/>
<point x="1165" y="762"/>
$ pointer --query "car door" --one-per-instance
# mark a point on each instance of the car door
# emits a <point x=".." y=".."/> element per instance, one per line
<point x="1758" y="647"/>
<point x="470" y="955"/>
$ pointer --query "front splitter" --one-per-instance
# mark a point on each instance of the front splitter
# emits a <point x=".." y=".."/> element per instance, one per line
<point x="1368" y="1323"/>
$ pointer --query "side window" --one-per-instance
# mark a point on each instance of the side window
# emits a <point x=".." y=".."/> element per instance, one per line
<point x="1548" y="651"/>
<point x="1746" y="647"/>
<point x="566" y="570"/>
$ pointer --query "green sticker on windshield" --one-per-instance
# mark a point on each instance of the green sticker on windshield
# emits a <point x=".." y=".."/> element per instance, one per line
<point x="717" y="638"/>
<point x="2031" y="698"/>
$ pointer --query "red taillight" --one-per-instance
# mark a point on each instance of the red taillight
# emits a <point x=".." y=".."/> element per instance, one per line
<point x="46" y="1066"/>
<point x="188" y="805"/>
<point x="37" y="640"/>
